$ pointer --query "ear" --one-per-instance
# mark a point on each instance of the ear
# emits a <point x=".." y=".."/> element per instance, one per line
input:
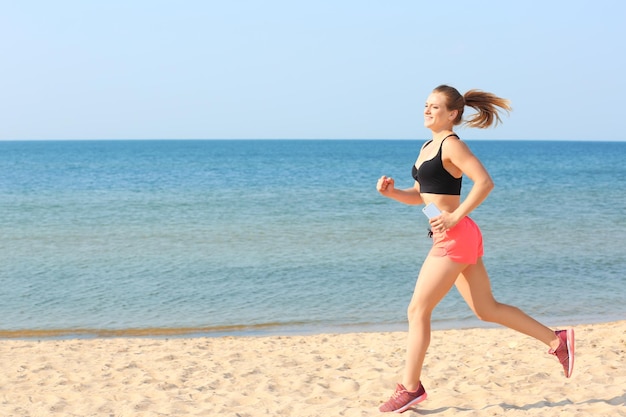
<point x="453" y="115"/>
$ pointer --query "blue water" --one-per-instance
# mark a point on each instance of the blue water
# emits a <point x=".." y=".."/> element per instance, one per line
<point x="256" y="237"/>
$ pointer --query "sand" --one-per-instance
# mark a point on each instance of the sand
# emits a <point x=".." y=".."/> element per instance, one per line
<point x="472" y="372"/>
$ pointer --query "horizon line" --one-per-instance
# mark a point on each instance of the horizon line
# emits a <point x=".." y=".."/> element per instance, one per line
<point x="295" y="139"/>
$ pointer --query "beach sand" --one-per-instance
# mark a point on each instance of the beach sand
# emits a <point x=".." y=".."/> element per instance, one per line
<point x="473" y="372"/>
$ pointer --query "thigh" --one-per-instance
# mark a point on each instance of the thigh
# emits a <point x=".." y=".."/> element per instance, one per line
<point x="463" y="243"/>
<point x="475" y="287"/>
<point x="435" y="279"/>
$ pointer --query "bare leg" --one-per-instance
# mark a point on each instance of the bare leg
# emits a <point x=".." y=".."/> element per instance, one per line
<point x="474" y="286"/>
<point x="436" y="277"/>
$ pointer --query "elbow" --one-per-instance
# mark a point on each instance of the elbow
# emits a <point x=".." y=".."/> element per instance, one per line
<point x="488" y="184"/>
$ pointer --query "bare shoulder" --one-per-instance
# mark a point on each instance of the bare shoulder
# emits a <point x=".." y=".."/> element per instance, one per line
<point x="454" y="147"/>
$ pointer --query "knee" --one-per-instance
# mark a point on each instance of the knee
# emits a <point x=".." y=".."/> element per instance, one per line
<point x="417" y="312"/>
<point x="486" y="317"/>
<point x="487" y="313"/>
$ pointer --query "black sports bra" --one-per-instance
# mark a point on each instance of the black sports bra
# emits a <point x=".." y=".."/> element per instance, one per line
<point x="433" y="177"/>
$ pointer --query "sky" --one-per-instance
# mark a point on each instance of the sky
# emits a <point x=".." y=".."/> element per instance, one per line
<point x="310" y="69"/>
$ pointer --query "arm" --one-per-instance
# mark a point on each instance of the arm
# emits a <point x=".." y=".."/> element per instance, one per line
<point x="411" y="196"/>
<point x="461" y="156"/>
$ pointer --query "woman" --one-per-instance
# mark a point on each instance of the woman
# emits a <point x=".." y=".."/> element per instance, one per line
<point x="456" y="254"/>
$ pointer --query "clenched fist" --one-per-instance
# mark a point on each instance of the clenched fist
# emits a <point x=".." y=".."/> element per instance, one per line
<point x="385" y="185"/>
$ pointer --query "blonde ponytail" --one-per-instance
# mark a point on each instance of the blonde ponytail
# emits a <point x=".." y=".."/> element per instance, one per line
<point x="487" y="106"/>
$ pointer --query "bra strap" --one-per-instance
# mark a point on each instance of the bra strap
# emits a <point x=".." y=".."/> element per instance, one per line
<point x="453" y="134"/>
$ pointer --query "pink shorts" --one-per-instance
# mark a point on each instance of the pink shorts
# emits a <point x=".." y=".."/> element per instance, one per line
<point x="463" y="243"/>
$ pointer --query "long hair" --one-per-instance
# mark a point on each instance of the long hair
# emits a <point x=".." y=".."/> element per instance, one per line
<point x="487" y="106"/>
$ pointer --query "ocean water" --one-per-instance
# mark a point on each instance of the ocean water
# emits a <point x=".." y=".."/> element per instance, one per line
<point x="259" y="237"/>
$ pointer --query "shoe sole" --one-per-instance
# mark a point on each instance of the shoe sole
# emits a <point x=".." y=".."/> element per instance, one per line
<point x="570" y="351"/>
<point x="416" y="401"/>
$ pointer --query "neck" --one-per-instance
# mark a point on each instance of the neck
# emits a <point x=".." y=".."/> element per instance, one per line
<point x="439" y="135"/>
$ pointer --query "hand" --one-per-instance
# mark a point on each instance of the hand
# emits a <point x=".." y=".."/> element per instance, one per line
<point x="442" y="222"/>
<point x="385" y="185"/>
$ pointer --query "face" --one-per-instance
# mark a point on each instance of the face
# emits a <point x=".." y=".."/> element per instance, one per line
<point x="437" y="117"/>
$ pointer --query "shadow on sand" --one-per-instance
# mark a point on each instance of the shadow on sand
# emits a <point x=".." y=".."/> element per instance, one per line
<point x="615" y="402"/>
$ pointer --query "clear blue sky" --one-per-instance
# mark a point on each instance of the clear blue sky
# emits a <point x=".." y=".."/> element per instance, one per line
<point x="306" y="69"/>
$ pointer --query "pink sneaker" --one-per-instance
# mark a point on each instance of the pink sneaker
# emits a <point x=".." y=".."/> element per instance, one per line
<point x="565" y="351"/>
<point x="402" y="400"/>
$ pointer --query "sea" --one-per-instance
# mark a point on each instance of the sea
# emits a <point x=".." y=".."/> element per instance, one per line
<point x="164" y="238"/>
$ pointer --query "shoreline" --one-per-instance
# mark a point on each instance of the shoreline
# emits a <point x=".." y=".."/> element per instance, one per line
<point x="260" y="330"/>
<point x="467" y="372"/>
